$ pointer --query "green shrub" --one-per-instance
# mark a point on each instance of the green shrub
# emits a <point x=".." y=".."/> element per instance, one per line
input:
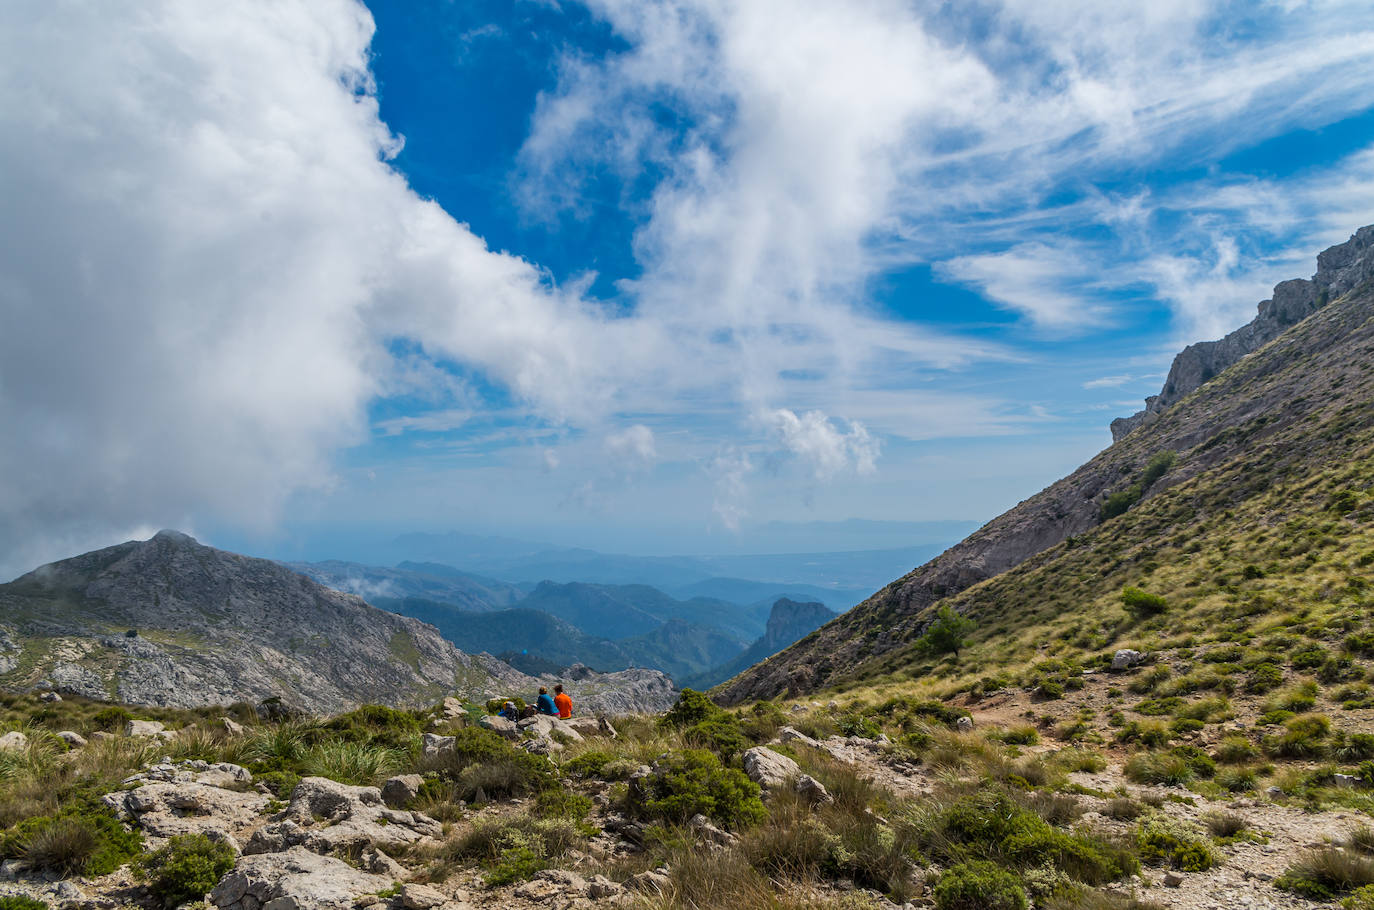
<point x="188" y="867"/>
<point x="1352" y="747"/>
<point x="859" y="725"/>
<point x="1303" y="737"/>
<point x="1164" y="839"/>
<point x="1159" y="768"/>
<point x="1359" y="899"/>
<point x="992" y="825"/>
<point x="82" y="838"/>
<point x="1146" y="732"/>
<point x="979" y="885"/>
<point x="692" y="708"/>
<point x="589" y="764"/>
<point x="694" y="781"/>
<point x="1325" y="872"/>
<point x="482" y="763"/>
<point x="1237" y="780"/>
<point x="1120" y="502"/>
<point x="1264" y="677"/>
<point x="1024" y="735"/>
<point x="562" y="803"/>
<point x="1141" y="604"/>
<point x="111" y="719"/>
<point x="1235" y="749"/>
<point x="20" y="902"/>
<point x="721" y="734"/>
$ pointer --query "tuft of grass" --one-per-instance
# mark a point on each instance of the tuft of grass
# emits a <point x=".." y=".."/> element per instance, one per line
<point x="1326" y="872"/>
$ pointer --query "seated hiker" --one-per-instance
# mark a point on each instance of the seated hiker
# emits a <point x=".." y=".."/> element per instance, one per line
<point x="508" y="711"/>
<point x="545" y="702"/>
<point x="563" y="701"/>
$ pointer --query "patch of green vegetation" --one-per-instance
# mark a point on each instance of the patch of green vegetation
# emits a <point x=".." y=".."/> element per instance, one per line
<point x="402" y="647"/>
<point x="979" y="885"/>
<point x="186" y="868"/>
<point x="692" y="782"/>
<point x="81" y="839"/>
<point x="1165" y="839"/>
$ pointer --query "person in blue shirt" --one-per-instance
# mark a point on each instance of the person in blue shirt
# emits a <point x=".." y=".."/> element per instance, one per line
<point x="545" y="703"/>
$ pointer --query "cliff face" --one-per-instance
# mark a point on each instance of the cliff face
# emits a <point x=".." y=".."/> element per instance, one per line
<point x="790" y="620"/>
<point x="1339" y="270"/>
<point x="1292" y="399"/>
<point x="168" y="621"/>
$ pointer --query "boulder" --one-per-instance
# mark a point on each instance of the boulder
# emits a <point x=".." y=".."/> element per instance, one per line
<point x="768" y="769"/>
<point x="401" y="789"/>
<point x="14" y="741"/>
<point x="452" y="707"/>
<point x="591" y="726"/>
<point x="422" y="897"/>
<point x="49" y="697"/>
<point x="231" y="726"/>
<point x="165" y="809"/>
<point x="501" y="725"/>
<point x="650" y="882"/>
<point x="964" y="724"/>
<point x="432" y="745"/>
<point x="709" y="833"/>
<point x="72" y="738"/>
<point x="295" y="879"/>
<point x="144" y="728"/>
<point x="378" y="863"/>
<point x="1126" y="658"/>
<point x="545" y="727"/>
<point x="812" y="790"/>
<point x="793" y="735"/>
<point x="599" y="887"/>
<point x="101" y="735"/>
<point x="328" y="817"/>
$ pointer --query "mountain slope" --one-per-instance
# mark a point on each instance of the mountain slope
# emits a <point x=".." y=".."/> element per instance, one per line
<point x="168" y="621"/>
<point x="788" y="621"/>
<point x="1277" y="447"/>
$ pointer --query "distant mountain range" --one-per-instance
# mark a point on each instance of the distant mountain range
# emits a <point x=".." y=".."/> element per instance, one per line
<point x="169" y="621"/>
<point x="788" y="622"/>
<point x="606" y="627"/>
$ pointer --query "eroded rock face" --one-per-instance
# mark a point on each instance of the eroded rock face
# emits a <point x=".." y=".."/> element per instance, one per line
<point x="166" y="809"/>
<point x="325" y="816"/>
<point x="542" y="726"/>
<point x="295" y="879"/>
<point x="401" y="789"/>
<point x="1339" y="269"/>
<point x="500" y="725"/>
<point x="14" y="741"/>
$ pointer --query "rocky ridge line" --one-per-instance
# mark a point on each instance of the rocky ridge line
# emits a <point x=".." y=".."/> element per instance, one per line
<point x="1339" y="270"/>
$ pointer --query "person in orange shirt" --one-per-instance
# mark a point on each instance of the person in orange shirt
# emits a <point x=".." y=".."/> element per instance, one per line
<point x="563" y="701"/>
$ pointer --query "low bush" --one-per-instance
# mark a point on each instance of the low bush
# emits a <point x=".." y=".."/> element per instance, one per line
<point x="1237" y="780"/>
<point x="81" y="839"/>
<point x="1235" y="749"/>
<point x="1359" y="899"/>
<point x="483" y="764"/>
<point x="1304" y="736"/>
<point x="589" y="764"/>
<point x="1164" y="839"/>
<point x="694" y="781"/>
<point x="1024" y="735"/>
<point x="721" y="734"/>
<point x="979" y="885"/>
<point x="1159" y="768"/>
<point x="513" y="848"/>
<point x="1142" y="604"/>
<point x="994" y="826"/>
<point x="1351" y="747"/>
<point x="188" y="867"/>
<point x="1264" y="677"/>
<point x="692" y="707"/>
<point x="20" y="902"/>
<point x="1325" y="872"/>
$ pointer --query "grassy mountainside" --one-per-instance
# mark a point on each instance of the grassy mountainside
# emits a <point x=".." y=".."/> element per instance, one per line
<point x="1260" y="518"/>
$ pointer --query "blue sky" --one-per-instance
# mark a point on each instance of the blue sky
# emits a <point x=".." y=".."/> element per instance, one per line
<point x="637" y="274"/>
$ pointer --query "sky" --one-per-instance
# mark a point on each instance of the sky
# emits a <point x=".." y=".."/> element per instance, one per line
<point x="638" y="274"/>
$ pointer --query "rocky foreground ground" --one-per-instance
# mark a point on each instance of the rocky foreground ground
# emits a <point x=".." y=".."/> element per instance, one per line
<point x="806" y="805"/>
